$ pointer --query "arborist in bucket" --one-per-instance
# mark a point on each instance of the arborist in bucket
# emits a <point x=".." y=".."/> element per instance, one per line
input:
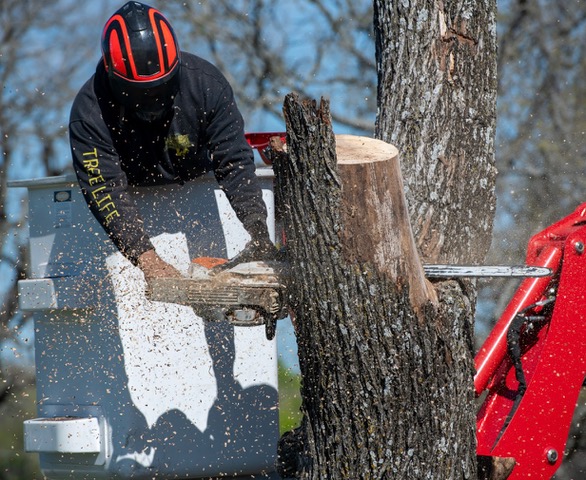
<point x="153" y="115"/>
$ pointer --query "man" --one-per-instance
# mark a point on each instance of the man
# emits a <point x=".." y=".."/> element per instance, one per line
<point x="153" y="115"/>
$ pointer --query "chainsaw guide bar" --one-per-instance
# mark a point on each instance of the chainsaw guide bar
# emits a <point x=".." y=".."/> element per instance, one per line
<point x="452" y="271"/>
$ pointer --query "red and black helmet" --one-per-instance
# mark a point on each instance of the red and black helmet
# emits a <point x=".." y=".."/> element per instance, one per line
<point x="141" y="56"/>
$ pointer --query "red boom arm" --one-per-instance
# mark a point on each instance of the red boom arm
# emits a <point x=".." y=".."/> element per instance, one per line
<point x="532" y="426"/>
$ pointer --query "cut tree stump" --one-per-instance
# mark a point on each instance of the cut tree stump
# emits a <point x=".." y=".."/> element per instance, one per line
<point x="375" y="218"/>
<point x="387" y="370"/>
<point x="376" y="228"/>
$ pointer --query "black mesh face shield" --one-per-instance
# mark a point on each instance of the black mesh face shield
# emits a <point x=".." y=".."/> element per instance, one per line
<point x="147" y="101"/>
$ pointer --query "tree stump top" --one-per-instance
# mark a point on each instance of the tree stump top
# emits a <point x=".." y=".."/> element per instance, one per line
<point x="352" y="149"/>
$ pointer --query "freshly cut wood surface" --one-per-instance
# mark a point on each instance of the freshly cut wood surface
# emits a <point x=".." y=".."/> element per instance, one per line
<point x="376" y="225"/>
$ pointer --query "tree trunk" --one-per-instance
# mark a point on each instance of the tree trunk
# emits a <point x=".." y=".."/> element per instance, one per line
<point x="437" y="91"/>
<point x="375" y="405"/>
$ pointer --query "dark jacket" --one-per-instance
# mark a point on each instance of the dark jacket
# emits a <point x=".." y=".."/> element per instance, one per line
<point x="204" y="133"/>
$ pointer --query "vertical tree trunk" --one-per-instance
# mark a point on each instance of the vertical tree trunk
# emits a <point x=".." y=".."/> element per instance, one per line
<point x="386" y="383"/>
<point x="437" y="90"/>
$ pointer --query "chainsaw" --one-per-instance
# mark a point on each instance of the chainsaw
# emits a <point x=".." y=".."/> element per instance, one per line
<point x="248" y="294"/>
<point x="254" y="294"/>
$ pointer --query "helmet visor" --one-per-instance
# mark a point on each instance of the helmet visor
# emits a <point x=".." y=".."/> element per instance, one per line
<point x="152" y="99"/>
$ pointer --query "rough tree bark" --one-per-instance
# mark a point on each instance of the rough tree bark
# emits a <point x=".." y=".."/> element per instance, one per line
<point x="437" y="89"/>
<point x="386" y="378"/>
<point x="387" y="382"/>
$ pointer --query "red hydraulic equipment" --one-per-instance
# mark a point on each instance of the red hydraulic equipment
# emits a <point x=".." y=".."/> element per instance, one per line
<point x="260" y="141"/>
<point x="531" y="367"/>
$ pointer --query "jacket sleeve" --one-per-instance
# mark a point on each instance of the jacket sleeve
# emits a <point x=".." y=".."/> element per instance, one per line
<point x="104" y="186"/>
<point x="234" y="163"/>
